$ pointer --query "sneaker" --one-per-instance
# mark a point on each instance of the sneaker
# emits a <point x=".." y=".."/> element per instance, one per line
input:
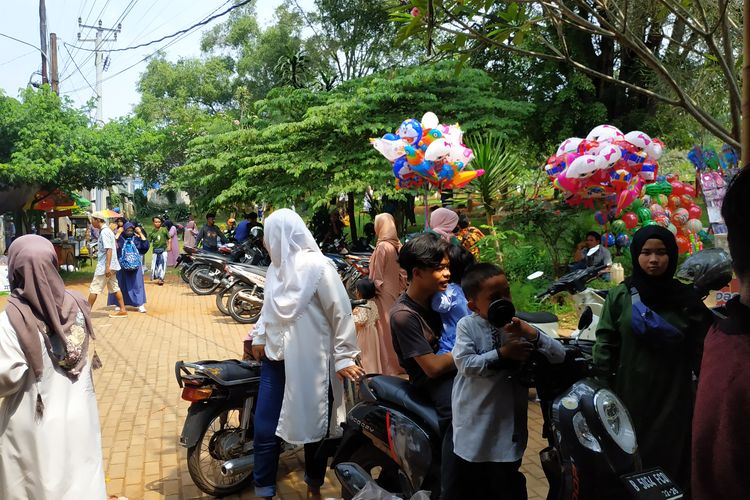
<point x="120" y="314"/>
<point x="141" y="309"/>
<point x="117" y="309"/>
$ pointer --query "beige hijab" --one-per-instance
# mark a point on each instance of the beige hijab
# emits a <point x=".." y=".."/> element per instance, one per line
<point x="385" y="229"/>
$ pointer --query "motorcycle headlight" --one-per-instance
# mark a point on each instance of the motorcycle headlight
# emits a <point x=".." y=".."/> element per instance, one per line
<point x="616" y="419"/>
<point x="584" y="434"/>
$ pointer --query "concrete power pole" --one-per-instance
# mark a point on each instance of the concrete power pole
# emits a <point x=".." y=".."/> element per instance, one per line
<point x="53" y="76"/>
<point x="98" y="60"/>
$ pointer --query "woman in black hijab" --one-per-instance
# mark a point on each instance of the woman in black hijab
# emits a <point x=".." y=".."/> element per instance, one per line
<point x="650" y="370"/>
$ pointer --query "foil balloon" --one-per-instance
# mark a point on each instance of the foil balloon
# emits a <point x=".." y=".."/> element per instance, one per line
<point x="392" y="149"/>
<point x="430" y="120"/>
<point x="639" y="139"/>
<point x="582" y="167"/>
<point x="605" y="133"/>
<point x="410" y="131"/>
<point x="438" y="150"/>
<point x="569" y="145"/>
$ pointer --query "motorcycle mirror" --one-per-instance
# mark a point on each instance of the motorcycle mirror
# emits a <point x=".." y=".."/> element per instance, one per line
<point x="535" y="275"/>
<point x="587" y="317"/>
<point x="592" y="251"/>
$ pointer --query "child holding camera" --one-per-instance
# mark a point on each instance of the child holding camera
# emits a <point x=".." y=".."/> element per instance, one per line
<point x="489" y="404"/>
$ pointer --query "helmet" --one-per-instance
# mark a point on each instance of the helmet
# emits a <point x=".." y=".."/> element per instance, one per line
<point x="709" y="269"/>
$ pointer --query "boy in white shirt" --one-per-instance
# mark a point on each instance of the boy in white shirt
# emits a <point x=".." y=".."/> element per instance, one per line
<point x="489" y="404"/>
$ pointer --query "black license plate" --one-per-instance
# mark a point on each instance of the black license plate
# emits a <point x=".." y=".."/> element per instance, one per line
<point x="653" y="484"/>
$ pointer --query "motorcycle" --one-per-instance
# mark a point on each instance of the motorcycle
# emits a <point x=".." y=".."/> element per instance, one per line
<point x="246" y="297"/>
<point x="589" y="303"/>
<point x="218" y="429"/>
<point x="208" y="268"/>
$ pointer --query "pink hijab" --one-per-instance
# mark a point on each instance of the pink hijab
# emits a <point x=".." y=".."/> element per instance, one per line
<point x="443" y="221"/>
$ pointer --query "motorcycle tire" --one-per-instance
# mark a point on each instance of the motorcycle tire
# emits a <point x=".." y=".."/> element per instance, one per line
<point x="206" y="452"/>
<point x="222" y="298"/>
<point x="371" y="459"/>
<point x="184" y="273"/>
<point x="240" y="310"/>
<point x="202" y="281"/>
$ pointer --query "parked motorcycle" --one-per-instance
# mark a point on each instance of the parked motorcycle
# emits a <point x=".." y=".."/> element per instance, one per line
<point x="218" y="430"/>
<point x="246" y="298"/>
<point x="588" y="303"/>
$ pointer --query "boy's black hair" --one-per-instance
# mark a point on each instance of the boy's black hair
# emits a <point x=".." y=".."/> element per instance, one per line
<point x="460" y="260"/>
<point x="251" y="215"/>
<point x="210" y="215"/>
<point x="366" y="288"/>
<point x="424" y="251"/>
<point x="477" y="274"/>
<point x="595" y="235"/>
<point x="463" y="221"/>
<point x="736" y="212"/>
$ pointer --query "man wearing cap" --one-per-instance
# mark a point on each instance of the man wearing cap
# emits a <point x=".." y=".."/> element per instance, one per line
<point x="107" y="264"/>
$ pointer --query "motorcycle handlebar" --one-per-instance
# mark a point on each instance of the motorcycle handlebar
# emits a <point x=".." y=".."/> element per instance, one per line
<point x="572" y="280"/>
<point x="356" y="303"/>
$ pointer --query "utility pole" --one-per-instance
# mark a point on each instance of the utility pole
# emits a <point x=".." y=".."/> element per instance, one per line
<point x="54" y="77"/>
<point x="43" y="37"/>
<point x="98" y="60"/>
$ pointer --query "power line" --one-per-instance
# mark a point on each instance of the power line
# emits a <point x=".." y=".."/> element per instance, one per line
<point x="181" y="32"/>
<point x="18" y="57"/>
<point x="79" y="70"/>
<point x="184" y="35"/>
<point x="25" y="43"/>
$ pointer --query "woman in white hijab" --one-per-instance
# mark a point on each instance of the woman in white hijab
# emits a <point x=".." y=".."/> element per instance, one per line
<point x="307" y="342"/>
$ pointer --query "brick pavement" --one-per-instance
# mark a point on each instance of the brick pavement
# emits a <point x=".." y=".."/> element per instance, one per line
<point x="139" y="401"/>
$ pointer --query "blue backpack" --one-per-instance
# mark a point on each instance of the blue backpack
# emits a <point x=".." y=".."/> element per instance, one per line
<point x="130" y="258"/>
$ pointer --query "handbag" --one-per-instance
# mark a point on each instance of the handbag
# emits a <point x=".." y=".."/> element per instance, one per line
<point x="649" y="326"/>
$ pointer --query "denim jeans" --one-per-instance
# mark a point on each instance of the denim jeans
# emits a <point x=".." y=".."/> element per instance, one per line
<point x="267" y="444"/>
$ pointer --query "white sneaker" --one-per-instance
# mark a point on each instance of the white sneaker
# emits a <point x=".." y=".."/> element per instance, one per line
<point x="117" y="309"/>
<point x="141" y="309"/>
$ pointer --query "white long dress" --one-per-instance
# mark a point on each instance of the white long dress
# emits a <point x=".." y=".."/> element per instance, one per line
<point x="313" y="355"/>
<point x="60" y="455"/>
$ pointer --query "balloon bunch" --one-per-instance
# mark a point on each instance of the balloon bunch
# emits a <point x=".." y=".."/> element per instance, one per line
<point x="668" y="203"/>
<point x="427" y="151"/>
<point x="607" y="163"/>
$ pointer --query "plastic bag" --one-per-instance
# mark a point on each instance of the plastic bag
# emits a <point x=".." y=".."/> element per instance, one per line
<point x="372" y="491"/>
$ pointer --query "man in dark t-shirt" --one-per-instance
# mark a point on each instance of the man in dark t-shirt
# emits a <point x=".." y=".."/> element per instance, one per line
<point x="416" y="330"/>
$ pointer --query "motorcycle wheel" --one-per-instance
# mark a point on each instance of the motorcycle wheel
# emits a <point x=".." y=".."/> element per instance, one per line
<point x="240" y="309"/>
<point x="202" y="280"/>
<point x="214" y="447"/>
<point x="382" y="469"/>
<point x="184" y="273"/>
<point x="222" y="299"/>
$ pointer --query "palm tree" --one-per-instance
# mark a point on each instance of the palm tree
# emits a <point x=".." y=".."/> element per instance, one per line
<point x="502" y="168"/>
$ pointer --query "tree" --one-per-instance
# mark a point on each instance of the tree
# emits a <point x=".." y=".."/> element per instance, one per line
<point x="307" y="146"/>
<point x="680" y="54"/>
<point x="48" y="144"/>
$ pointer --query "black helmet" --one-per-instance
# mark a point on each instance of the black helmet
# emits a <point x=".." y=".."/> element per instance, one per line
<point x="709" y="269"/>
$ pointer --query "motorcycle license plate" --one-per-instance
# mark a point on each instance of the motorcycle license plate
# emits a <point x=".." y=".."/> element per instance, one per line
<point x="653" y="484"/>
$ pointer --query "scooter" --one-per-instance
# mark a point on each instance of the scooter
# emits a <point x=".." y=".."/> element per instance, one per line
<point x="218" y="429"/>
<point x="589" y="303"/>
<point x="392" y="436"/>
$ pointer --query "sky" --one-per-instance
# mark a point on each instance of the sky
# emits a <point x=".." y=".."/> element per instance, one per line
<point x="143" y="21"/>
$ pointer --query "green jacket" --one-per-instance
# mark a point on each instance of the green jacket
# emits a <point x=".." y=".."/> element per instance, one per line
<point x="656" y="383"/>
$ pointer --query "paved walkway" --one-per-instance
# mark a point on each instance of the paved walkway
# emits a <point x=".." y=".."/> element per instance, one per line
<point x="139" y="400"/>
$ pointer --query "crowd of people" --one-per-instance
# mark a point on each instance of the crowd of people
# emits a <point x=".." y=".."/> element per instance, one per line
<point x="429" y="306"/>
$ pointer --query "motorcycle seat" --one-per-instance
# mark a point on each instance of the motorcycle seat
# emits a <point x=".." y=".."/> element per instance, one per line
<point x="230" y="370"/>
<point x="401" y="393"/>
<point x="537" y="317"/>
<point x="252" y="268"/>
<point x="602" y="293"/>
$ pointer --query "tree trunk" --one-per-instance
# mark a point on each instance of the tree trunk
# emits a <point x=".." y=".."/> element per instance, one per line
<point x="352" y="216"/>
